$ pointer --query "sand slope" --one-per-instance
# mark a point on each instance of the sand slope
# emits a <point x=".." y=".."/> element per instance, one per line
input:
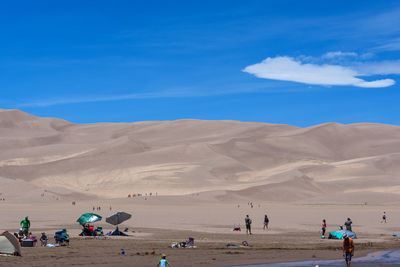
<point x="237" y="160"/>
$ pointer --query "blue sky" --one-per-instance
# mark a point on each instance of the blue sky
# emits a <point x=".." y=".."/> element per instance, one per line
<point x="293" y="62"/>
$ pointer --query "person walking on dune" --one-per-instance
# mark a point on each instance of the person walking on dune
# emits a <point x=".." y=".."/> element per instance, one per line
<point x="266" y="222"/>
<point x="248" y="222"/>
<point x="384" y="217"/>
<point x="348" y="249"/>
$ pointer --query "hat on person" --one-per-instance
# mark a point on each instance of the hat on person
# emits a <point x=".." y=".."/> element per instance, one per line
<point x="344" y="235"/>
<point x="163" y="255"/>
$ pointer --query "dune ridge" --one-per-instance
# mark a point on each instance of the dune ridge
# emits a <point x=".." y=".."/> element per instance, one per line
<point x="233" y="159"/>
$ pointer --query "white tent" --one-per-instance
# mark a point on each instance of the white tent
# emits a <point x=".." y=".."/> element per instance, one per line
<point x="9" y="244"/>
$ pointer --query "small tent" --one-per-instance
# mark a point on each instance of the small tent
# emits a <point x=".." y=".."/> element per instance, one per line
<point x="339" y="234"/>
<point x="9" y="244"/>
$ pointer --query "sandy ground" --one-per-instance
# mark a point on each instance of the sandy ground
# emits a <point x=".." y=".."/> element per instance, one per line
<point x="158" y="221"/>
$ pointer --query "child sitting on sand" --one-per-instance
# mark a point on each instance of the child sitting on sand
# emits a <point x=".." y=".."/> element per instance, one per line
<point x="43" y="239"/>
<point x="163" y="262"/>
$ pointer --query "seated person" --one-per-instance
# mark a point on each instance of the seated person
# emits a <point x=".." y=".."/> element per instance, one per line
<point x="91" y="229"/>
<point x="62" y="237"/>
<point x="86" y="231"/>
<point x="21" y="235"/>
<point x="116" y="231"/>
<point x="190" y="242"/>
<point x="99" y="231"/>
<point x="43" y="239"/>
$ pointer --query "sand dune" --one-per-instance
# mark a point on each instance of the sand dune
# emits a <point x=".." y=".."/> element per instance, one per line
<point x="236" y="159"/>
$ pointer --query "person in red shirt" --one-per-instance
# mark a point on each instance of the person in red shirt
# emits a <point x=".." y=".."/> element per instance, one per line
<point x="91" y="229"/>
<point x="323" y="227"/>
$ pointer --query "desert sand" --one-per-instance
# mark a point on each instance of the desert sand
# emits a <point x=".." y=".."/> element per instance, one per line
<point x="201" y="176"/>
<point x="294" y="232"/>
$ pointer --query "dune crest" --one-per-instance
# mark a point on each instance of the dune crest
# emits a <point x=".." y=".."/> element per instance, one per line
<point x="236" y="159"/>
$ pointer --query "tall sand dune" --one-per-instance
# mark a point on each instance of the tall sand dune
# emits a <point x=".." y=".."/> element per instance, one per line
<point x="235" y="160"/>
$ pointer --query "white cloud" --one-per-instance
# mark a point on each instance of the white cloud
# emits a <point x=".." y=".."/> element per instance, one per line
<point x="186" y="92"/>
<point x="377" y="83"/>
<point x="379" y="68"/>
<point x="392" y="45"/>
<point x="288" y="69"/>
<point x="338" y="54"/>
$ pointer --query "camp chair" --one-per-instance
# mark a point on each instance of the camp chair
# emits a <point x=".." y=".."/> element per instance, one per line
<point x="190" y="242"/>
<point x="62" y="237"/>
<point x="99" y="231"/>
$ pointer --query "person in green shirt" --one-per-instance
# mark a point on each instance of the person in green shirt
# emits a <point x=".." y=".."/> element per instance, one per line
<point x="26" y="224"/>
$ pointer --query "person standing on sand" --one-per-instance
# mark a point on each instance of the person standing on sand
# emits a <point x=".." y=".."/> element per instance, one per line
<point x="348" y="224"/>
<point x="384" y="217"/>
<point x="26" y="224"/>
<point x="248" y="222"/>
<point x="348" y="249"/>
<point x="163" y="262"/>
<point x="323" y="227"/>
<point x="266" y="222"/>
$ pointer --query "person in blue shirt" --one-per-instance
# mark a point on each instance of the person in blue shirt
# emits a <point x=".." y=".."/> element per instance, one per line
<point x="43" y="239"/>
<point x="163" y="262"/>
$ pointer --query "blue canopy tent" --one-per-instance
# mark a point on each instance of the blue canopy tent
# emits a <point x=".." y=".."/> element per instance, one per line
<point x="339" y="234"/>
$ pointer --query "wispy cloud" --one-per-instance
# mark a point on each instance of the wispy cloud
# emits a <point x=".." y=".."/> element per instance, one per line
<point x="286" y="68"/>
<point x="390" y="45"/>
<point x="184" y="93"/>
<point x="385" y="67"/>
<point x="339" y="54"/>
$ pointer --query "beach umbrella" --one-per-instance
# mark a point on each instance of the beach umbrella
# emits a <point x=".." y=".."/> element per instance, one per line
<point x="88" y="218"/>
<point x="118" y="217"/>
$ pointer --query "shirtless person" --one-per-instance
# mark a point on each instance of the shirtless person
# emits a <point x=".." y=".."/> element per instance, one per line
<point x="348" y="249"/>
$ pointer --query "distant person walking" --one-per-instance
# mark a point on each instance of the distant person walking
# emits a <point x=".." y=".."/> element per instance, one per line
<point x="384" y="217"/>
<point x="348" y="224"/>
<point x="323" y="227"/>
<point x="26" y="224"/>
<point x="163" y="262"/>
<point x="266" y="222"/>
<point x="248" y="222"/>
<point x="348" y="249"/>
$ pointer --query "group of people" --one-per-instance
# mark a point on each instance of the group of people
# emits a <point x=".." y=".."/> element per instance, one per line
<point x="98" y="208"/>
<point x="348" y="243"/>
<point x="89" y="230"/>
<point x="347" y="223"/>
<point x="248" y="223"/>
